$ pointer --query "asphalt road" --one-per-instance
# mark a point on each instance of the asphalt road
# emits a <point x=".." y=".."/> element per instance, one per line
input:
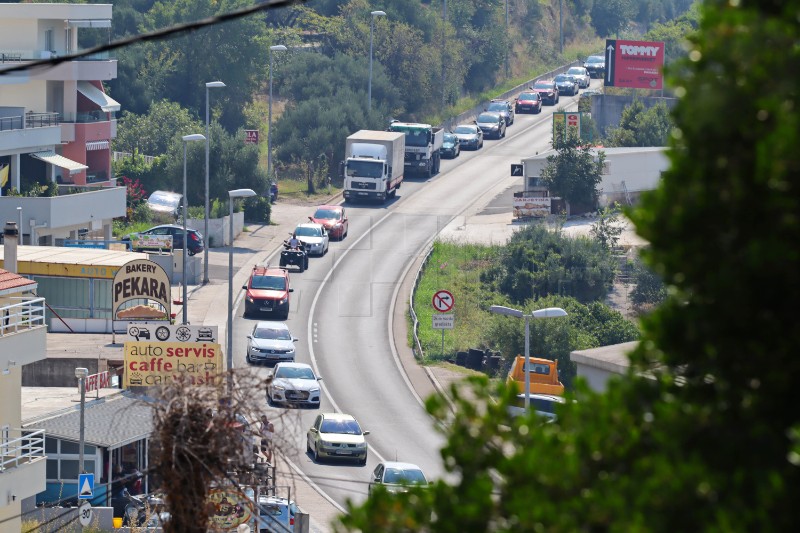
<point x="341" y="310"/>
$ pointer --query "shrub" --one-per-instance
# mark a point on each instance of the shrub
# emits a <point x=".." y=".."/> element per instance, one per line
<point x="257" y="209"/>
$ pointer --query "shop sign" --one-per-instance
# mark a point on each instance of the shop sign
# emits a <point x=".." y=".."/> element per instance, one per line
<point x="150" y="364"/>
<point x="143" y="281"/>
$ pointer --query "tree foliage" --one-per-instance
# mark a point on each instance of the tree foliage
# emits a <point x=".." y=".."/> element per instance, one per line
<point x="574" y="172"/>
<point x="642" y="127"/>
<point x="650" y="289"/>
<point x="609" y="17"/>
<point x="152" y="133"/>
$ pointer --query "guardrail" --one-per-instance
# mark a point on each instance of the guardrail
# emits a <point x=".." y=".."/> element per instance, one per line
<point x="17" y="451"/>
<point x="24" y="315"/>
<point x="417" y="348"/>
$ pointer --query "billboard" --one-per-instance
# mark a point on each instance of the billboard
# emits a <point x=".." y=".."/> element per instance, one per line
<point x="149" y="364"/>
<point x="141" y="283"/>
<point x="634" y="64"/>
<point x="531" y="206"/>
<point x="251" y="136"/>
<point x="571" y="120"/>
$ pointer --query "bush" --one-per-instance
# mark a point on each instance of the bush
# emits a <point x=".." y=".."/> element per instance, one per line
<point x="257" y="209"/>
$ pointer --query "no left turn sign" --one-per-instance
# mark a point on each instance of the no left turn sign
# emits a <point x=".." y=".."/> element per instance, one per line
<point x="443" y="301"/>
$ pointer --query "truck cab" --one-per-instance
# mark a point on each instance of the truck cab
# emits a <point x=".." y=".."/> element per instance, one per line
<point x="423" y="147"/>
<point x="543" y="376"/>
<point x="369" y="171"/>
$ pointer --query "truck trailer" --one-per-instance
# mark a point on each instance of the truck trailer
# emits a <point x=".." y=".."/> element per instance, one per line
<point x="373" y="168"/>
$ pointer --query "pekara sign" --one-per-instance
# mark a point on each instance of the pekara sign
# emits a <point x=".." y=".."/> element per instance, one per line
<point x="634" y="64"/>
<point x="149" y="364"/>
<point x="139" y="284"/>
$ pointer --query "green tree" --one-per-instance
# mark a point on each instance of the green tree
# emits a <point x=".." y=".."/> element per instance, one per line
<point x="702" y="433"/>
<point x="154" y="132"/>
<point x="608" y="228"/>
<point x="574" y="172"/>
<point x="650" y="289"/>
<point x="609" y="17"/>
<point x="642" y="127"/>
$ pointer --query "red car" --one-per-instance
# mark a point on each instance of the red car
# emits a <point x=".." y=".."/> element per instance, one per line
<point x="548" y="90"/>
<point x="334" y="218"/>
<point x="267" y="291"/>
<point x="528" y="102"/>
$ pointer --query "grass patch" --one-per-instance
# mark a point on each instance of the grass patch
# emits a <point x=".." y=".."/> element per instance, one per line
<point x="456" y="268"/>
<point x="298" y="190"/>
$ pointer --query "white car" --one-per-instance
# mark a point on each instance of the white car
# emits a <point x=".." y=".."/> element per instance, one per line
<point x="337" y="435"/>
<point x="397" y="477"/>
<point x="270" y="342"/>
<point x="580" y="74"/>
<point x="543" y="404"/>
<point x="314" y="237"/>
<point x="294" y="383"/>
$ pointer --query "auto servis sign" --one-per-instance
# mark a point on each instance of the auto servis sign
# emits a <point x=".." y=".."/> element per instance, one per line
<point x="141" y="291"/>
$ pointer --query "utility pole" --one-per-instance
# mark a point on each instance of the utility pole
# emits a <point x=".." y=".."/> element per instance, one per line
<point x="444" y="52"/>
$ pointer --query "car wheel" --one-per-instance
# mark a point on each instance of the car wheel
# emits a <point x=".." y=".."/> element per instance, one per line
<point x="363" y="462"/>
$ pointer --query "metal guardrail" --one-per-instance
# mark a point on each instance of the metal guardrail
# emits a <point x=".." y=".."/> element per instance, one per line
<point x="27" y="314"/>
<point x="21" y="450"/>
<point x="418" y="353"/>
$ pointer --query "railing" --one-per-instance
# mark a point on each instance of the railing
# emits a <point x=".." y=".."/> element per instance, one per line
<point x="119" y="156"/>
<point x="30" y="120"/>
<point x="11" y="123"/>
<point x="27" y="314"/>
<point x="84" y="117"/>
<point x="24" y="449"/>
<point x="17" y="56"/>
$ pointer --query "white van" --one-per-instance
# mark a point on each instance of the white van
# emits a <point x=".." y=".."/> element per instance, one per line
<point x="165" y="202"/>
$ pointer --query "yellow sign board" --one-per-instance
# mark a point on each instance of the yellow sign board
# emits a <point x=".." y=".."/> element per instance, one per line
<point x="229" y="509"/>
<point x="156" y="363"/>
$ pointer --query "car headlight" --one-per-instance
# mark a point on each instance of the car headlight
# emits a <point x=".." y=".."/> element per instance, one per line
<point x="314" y="390"/>
<point x="283" y="300"/>
<point x="280" y="388"/>
<point x="325" y="443"/>
<point x="250" y="299"/>
<point x="361" y="445"/>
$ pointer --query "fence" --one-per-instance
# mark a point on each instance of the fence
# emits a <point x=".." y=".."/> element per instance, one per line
<point x="118" y="156"/>
<point x="27" y="314"/>
<point x="21" y="450"/>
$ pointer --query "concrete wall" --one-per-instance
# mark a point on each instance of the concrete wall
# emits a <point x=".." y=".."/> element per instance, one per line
<point x="218" y="229"/>
<point x="607" y="109"/>
<point x="58" y="372"/>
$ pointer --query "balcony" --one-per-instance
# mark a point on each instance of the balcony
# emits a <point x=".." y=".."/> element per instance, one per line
<point x="23" y="331"/>
<point x="21" y="131"/>
<point x="22" y="464"/>
<point x="68" y="210"/>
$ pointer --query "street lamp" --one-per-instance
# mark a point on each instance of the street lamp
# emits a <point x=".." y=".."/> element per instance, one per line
<point x="276" y="48"/>
<point x="209" y="85"/>
<point x="371" y="24"/>
<point x="236" y="193"/>
<point x="550" y="312"/>
<point x="19" y="213"/>
<point x="185" y="213"/>
<point x="81" y="374"/>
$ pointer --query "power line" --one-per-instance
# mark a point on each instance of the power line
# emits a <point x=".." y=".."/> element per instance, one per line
<point x="154" y="35"/>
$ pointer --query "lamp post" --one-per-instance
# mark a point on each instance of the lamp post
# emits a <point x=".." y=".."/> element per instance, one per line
<point x="371" y="24"/>
<point x="236" y="193"/>
<point x="444" y="52"/>
<point x="185" y="213"/>
<point x="19" y="213"/>
<point x="81" y="374"/>
<point x="550" y="312"/>
<point x="276" y="48"/>
<point x="209" y="85"/>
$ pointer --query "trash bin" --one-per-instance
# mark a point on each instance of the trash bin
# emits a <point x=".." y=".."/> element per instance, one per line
<point x="117" y="522"/>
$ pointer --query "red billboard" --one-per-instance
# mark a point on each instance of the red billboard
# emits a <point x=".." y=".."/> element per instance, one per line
<point x="634" y="64"/>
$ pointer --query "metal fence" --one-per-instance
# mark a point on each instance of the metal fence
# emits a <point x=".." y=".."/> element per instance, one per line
<point x="27" y="314"/>
<point x="20" y="446"/>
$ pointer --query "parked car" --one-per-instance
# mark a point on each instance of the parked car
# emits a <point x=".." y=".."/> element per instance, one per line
<point x="295" y="384"/>
<point x="337" y="435"/>
<point x="595" y="66"/>
<point x="275" y="515"/>
<point x="451" y="147"/>
<point x="505" y="109"/>
<point x="528" y="102"/>
<point x="314" y="237"/>
<point x="334" y="219"/>
<point x="543" y="404"/>
<point x="566" y="84"/>
<point x="267" y="291"/>
<point x="397" y="477"/>
<point x="548" y="90"/>
<point x="492" y="125"/>
<point x="196" y="244"/>
<point x="165" y="202"/>
<point x="580" y="74"/>
<point x="469" y="136"/>
<point x="270" y="342"/>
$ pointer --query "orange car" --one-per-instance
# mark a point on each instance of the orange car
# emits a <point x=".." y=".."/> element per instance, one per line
<point x="334" y="218"/>
<point x="544" y="376"/>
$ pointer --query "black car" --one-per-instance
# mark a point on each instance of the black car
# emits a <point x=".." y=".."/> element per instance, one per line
<point x="567" y="84"/>
<point x="505" y="109"/>
<point x="196" y="244"/>
<point x="492" y="125"/>
<point x="451" y="147"/>
<point x="596" y="66"/>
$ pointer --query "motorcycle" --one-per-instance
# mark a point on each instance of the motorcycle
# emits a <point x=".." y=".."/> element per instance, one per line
<point x="144" y="510"/>
<point x="273" y="192"/>
<point x="294" y="256"/>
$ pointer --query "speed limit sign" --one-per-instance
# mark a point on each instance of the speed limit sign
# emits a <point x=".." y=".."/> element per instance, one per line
<point x="85" y="513"/>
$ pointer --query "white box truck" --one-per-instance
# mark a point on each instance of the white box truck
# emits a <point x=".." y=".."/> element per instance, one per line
<point x="423" y="147"/>
<point x="373" y="166"/>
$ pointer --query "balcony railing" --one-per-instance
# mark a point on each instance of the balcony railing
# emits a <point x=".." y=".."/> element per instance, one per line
<point x="17" y="56"/>
<point x="16" y="317"/>
<point x="19" y="447"/>
<point x="84" y="117"/>
<point x="31" y="120"/>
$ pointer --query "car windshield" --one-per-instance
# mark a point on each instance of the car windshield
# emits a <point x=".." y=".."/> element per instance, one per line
<point x="308" y="231"/>
<point x="488" y="117"/>
<point x="576" y="71"/>
<point x="596" y="59"/>
<point x="164" y="199"/>
<point x="292" y="372"/>
<point x="415" y="135"/>
<point x="328" y="214"/>
<point x="497" y="106"/>
<point x="276" y="334"/>
<point x="364" y="169"/>
<point x="543" y="85"/>
<point x="529" y="96"/>
<point x="269" y="283"/>
<point x="465" y="130"/>
<point x="449" y="138"/>
<point x="563" y="78"/>
<point x="409" y="476"/>
<point x="342" y="427"/>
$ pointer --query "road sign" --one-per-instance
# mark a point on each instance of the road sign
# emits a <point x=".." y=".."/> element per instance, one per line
<point x="85" y="486"/>
<point x="635" y="64"/>
<point x="85" y="514"/>
<point x="516" y="169"/>
<point x="143" y="331"/>
<point x="251" y="136"/>
<point x="443" y="301"/>
<point x="443" y="321"/>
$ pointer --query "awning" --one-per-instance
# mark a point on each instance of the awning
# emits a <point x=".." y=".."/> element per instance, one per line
<point x="97" y="96"/>
<point x="96" y="145"/>
<point x="90" y="23"/>
<point x="48" y="156"/>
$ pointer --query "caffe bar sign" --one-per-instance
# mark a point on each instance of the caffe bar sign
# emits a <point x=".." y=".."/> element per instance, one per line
<point x="141" y="290"/>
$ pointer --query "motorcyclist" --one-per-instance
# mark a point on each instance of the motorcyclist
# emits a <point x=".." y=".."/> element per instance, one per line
<point x="293" y="242"/>
<point x="273" y="192"/>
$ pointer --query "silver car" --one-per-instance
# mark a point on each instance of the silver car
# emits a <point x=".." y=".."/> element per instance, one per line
<point x="270" y="342"/>
<point x="294" y="383"/>
<point x="580" y="74"/>
<point x="397" y="477"/>
<point x="314" y="237"/>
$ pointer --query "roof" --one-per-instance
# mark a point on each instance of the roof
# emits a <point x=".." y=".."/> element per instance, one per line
<point x="613" y="358"/>
<point x="10" y="281"/>
<point x="74" y="262"/>
<point x="271" y="324"/>
<point x="49" y="156"/>
<point x="338" y="416"/>
<point x="109" y="422"/>
<point x="401" y="466"/>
